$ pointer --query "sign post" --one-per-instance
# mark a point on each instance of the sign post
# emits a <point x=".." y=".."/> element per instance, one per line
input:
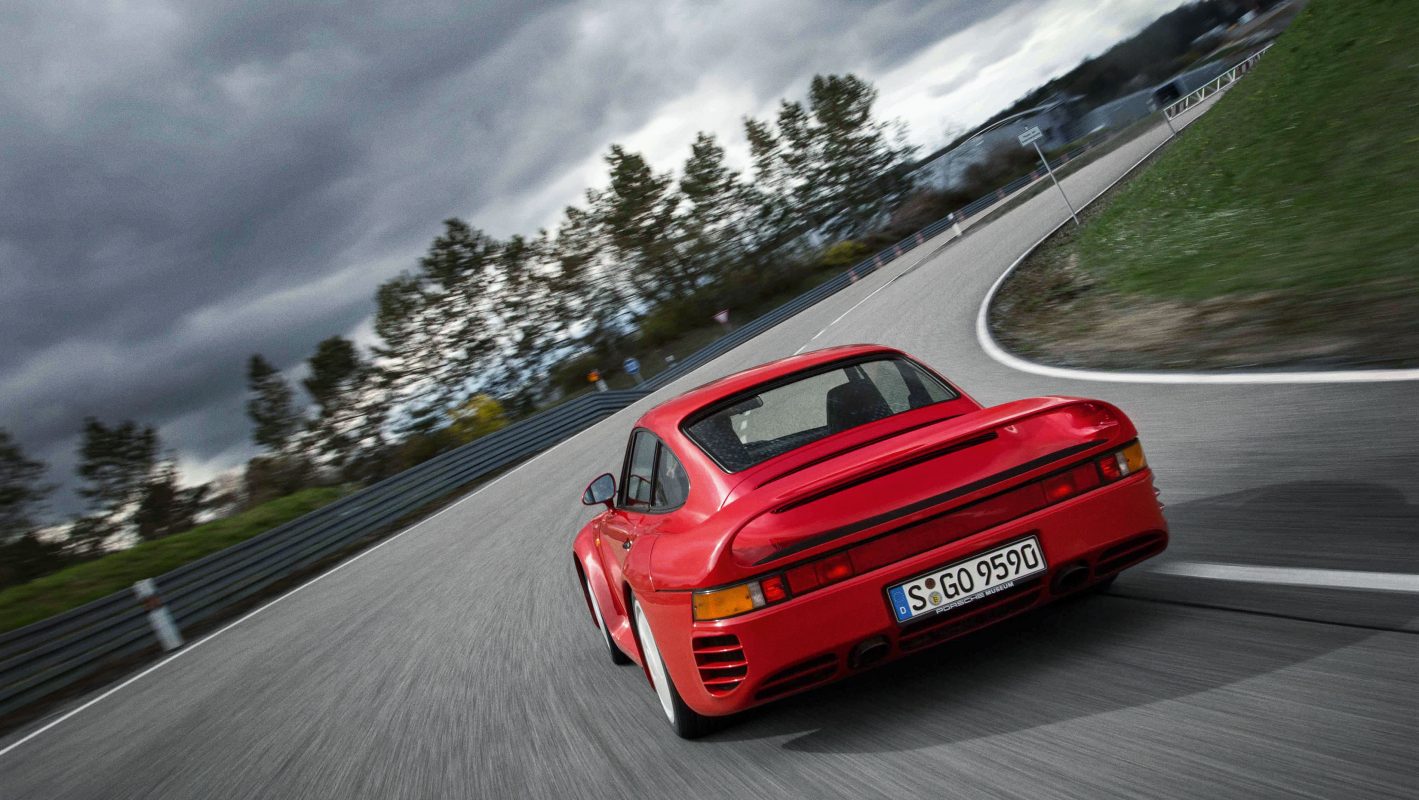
<point x="595" y="377"/>
<point x="633" y="367"/>
<point x="1031" y="136"/>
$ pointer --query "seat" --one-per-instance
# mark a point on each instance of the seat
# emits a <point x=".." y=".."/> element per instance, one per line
<point x="717" y="433"/>
<point x="855" y="403"/>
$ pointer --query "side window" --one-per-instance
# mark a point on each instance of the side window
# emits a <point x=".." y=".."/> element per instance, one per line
<point x="672" y="485"/>
<point x="640" y="471"/>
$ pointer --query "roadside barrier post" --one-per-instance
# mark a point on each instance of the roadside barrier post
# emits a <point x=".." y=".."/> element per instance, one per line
<point x="158" y="615"/>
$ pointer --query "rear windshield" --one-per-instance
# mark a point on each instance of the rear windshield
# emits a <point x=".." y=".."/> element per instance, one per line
<point x="753" y="428"/>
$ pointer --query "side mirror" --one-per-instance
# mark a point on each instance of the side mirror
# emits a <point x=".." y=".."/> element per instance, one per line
<point x="600" y="491"/>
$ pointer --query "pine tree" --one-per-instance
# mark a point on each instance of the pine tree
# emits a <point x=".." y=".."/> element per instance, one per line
<point x="437" y="327"/>
<point x="714" y="221"/>
<point x="21" y="492"/>
<point x="271" y="406"/>
<point x="857" y="169"/>
<point x="115" y="466"/>
<point x="166" y="507"/>
<point x="638" y="213"/>
<point x="352" y="406"/>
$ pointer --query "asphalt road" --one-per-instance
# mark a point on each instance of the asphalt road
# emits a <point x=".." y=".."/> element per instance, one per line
<point x="457" y="660"/>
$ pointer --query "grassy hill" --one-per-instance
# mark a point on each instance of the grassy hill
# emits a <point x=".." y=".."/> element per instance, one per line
<point x="1281" y="229"/>
<point x="1305" y="178"/>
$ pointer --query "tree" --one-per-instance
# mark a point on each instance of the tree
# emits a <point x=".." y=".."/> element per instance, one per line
<point x="714" y="219"/>
<point x="830" y="165"/>
<point x="589" y="292"/>
<point x="21" y="493"/>
<point x="352" y="405"/>
<point x="115" y="466"/>
<point x="166" y="507"/>
<point x="24" y="554"/>
<point x="638" y="213"/>
<point x="437" y="326"/>
<point x="271" y="406"/>
<point x="479" y="416"/>
<point x="860" y="169"/>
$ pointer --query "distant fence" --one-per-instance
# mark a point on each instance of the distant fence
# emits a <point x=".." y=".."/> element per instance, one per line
<point x="1213" y="86"/>
<point x="56" y="653"/>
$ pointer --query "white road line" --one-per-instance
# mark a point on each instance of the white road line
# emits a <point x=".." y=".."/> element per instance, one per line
<point x="214" y="634"/>
<point x="1293" y="576"/>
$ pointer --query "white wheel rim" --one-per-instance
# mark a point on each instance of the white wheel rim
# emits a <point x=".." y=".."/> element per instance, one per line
<point x="654" y="666"/>
<point x="600" y="620"/>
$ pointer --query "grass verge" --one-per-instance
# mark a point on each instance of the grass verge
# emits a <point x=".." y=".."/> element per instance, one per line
<point x="1280" y="229"/>
<point x="72" y="587"/>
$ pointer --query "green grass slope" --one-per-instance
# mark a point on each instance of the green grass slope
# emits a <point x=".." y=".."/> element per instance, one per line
<point x="1303" y="179"/>
<point x="76" y="585"/>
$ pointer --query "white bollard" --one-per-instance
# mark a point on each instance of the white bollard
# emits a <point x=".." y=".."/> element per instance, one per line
<point x="158" y="615"/>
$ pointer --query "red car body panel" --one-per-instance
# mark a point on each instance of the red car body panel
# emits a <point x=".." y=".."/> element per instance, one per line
<point x="896" y="497"/>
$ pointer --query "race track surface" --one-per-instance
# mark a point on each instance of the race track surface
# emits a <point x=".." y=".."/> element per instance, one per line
<point x="457" y="660"/>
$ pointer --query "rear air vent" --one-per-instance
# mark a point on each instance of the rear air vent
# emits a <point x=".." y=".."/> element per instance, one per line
<point x="1130" y="551"/>
<point x="721" y="662"/>
<point x="798" y="676"/>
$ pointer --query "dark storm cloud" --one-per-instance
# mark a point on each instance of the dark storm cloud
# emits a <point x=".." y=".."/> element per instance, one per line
<point x="187" y="184"/>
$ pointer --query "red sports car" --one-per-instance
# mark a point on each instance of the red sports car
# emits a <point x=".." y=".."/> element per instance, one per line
<point x="800" y="521"/>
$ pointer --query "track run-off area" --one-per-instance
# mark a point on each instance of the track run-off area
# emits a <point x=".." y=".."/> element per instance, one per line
<point x="1272" y="651"/>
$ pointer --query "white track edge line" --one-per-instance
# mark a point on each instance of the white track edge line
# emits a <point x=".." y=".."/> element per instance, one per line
<point x="1293" y="576"/>
<point x="996" y="352"/>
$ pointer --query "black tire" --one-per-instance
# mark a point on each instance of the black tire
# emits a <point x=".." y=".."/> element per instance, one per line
<point x="617" y="657"/>
<point x="685" y="721"/>
<point x="1103" y="586"/>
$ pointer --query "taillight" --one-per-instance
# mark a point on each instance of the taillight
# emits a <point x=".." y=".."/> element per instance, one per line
<point x="1122" y="463"/>
<point x="731" y="601"/>
<point x="774" y="588"/>
<point x="834" y="568"/>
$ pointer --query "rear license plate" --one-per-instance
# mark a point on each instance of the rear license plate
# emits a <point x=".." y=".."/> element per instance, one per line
<point x="955" y="585"/>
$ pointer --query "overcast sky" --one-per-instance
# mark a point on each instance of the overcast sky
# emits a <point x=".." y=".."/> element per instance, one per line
<point x="185" y="184"/>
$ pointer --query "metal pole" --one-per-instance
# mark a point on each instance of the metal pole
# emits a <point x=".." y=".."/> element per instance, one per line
<point x="1050" y="170"/>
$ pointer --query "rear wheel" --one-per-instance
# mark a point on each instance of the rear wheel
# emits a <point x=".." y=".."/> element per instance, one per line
<point x="688" y="723"/>
<point x="617" y="657"/>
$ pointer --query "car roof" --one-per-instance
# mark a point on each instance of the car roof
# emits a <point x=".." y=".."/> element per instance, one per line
<point x="669" y="414"/>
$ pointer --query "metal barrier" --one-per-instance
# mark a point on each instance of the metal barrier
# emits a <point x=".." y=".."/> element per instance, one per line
<point x="1213" y="86"/>
<point x="56" y="653"/>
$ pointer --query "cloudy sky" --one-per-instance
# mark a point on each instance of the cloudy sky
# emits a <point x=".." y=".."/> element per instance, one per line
<point x="184" y="184"/>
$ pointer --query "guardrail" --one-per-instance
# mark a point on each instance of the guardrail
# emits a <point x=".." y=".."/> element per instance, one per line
<point x="56" y="653"/>
<point x="1213" y="86"/>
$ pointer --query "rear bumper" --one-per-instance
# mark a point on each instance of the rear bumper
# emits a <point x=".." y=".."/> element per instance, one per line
<point x="810" y="640"/>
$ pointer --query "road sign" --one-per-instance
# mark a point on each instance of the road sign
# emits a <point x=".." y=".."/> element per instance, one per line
<point x="1031" y="134"/>
<point x="631" y="365"/>
<point x="722" y="317"/>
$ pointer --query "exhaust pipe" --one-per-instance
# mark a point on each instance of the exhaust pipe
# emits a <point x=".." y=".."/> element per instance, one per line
<point x="868" y="652"/>
<point x="1069" y="579"/>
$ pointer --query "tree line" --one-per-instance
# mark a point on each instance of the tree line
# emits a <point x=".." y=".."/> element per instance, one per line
<point x="483" y="330"/>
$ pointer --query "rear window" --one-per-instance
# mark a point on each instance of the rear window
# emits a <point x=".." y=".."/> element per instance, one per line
<point x="753" y="428"/>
